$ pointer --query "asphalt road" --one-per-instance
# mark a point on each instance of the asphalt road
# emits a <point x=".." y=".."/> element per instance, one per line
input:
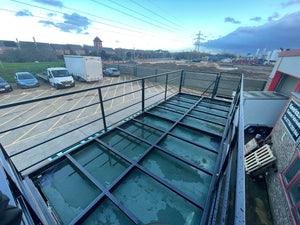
<point x="26" y="137"/>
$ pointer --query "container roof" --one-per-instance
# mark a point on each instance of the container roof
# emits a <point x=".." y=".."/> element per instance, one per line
<point x="293" y="52"/>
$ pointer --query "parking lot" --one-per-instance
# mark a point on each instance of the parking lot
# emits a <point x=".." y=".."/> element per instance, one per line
<point x="29" y="136"/>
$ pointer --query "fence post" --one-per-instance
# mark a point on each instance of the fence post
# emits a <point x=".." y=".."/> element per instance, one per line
<point x="217" y="81"/>
<point x="181" y="80"/>
<point x="264" y="85"/>
<point x="143" y="95"/>
<point x="166" y="87"/>
<point x="102" y="108"/>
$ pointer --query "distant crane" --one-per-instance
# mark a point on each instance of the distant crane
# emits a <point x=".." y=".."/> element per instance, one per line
<point x="198" y="41"/>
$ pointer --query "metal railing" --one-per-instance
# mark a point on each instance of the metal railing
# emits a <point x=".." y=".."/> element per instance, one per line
<point x="227" y="202"/>
<point x="224" y="195"/>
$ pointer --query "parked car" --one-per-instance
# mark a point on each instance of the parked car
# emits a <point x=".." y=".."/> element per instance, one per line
<point x="26" y="80"/>
<point x="111" y="72"/>
<point x="4" y="86"/>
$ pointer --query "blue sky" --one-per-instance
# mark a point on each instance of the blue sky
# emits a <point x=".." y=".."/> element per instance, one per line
<point x="231" y="26"/>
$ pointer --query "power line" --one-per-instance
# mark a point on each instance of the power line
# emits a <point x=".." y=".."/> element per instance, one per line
<point x="127" y="14"/>
<point x="96" y="16"/>
<point x="55" y="11"/>
<point x="140" y="34"/>
<point x="138" y="13"/>
<point x="162" y="10"/>
<point x="151" y="11"/>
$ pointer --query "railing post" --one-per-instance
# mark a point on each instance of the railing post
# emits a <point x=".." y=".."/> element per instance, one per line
<point x="181" y="80"/>
<point x="102" y="109"/>
<point x="166" y="87"/>
<point x="217" y="81"/>
<point x="143" y="95"/>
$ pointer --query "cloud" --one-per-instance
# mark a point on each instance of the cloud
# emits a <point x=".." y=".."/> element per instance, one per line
<point x="51" y="14"/>
<point x="292" y="2"/>
<point x="284" y="33"/>
<point x="256" y="19"/>
<point x="231" y="20"/>
<point x="24" y="12"/>
<point x="55" y="3"/>
<point x="47" y="23"/>
<point x="275" y="15"/>
<point x="73" y="23"/>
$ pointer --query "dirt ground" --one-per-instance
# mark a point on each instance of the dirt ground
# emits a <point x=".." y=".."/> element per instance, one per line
<point x="249" y="71"/>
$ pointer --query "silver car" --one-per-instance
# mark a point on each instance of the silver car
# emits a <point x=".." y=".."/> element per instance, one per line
<point x="111" y="72"/>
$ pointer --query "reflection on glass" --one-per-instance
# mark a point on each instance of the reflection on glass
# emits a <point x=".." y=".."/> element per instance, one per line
<point x="151" y="202"/>
<point x="127" y="145"/>
<point x="98" y="160"/>
<point x="67" y="190"/>
<point x="188" y="179"/>
<point x="142" y="131"/>
<point x="198" y="155"/>
<point x="107" y="214"/>
<point x="202" y="139"/>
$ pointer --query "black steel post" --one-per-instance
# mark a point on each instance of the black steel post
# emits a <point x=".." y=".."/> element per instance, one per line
<point x="166" y="87"/>
<point x="102" y="109"/>
<point x="217" y="81"/>
<point x="181" y="80"/>
<point x="143" y="95"/>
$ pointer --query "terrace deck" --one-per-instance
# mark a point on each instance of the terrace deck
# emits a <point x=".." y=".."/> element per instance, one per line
<point x="155" y="168"/>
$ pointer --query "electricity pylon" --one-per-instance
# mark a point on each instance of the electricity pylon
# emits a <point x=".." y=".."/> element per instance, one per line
<point x="198" y="41"/>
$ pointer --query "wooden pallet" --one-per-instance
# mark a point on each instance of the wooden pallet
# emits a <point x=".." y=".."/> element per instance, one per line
<point x="259" y="158"/>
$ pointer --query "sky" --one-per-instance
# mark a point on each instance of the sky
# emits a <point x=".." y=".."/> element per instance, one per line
<point x="236" y="26"/>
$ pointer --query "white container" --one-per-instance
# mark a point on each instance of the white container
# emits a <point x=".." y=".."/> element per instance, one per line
<point x="84" y="68"/>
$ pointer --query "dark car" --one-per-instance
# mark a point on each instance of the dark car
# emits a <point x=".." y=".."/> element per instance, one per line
<point x="4" y="86"/>
<point x="111" y="72"/>
<point x="26" y="80"/>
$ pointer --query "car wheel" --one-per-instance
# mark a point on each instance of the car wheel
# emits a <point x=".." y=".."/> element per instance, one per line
<point x="56" y="86"/>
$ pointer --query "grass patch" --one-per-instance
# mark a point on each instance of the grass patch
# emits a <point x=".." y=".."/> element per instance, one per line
<point x="8" y="70"/>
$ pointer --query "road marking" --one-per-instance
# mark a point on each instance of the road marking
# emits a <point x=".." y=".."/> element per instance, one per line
<point x="112" y="101"/>
<point x="70" y="108"/>
<point x="82" y="111"/>
<point x="13" y="109"/>
<point x="5" y="97"/>
<point x="104" y="96"/>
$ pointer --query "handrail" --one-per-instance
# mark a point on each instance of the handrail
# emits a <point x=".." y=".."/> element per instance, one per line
<point x="231" y="148"/>
<point x="219" y="204"/>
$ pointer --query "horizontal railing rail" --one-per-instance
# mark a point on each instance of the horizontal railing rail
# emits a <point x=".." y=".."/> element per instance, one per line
<point x="226" y="208"/>
<point x="229" y="167"/>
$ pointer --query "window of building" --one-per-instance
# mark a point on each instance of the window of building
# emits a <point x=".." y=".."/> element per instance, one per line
<point x="291" y="184"/>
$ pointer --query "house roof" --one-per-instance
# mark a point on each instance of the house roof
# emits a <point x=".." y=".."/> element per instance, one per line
<point x="108" y="49"/>
<point x="27" y="44"/>
<point x="10" y="44"/>
<point x="97" y="39"/>
<point x="293" y="52"/>
<point x="59" y="47"/>
<point x="43" y="46"/>
<point x="89" y="48"/>
<point x="75" y="47"/>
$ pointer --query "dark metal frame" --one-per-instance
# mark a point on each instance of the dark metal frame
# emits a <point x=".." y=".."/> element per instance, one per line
<point x="225" y="158"/>
<point x="286" y="187"/>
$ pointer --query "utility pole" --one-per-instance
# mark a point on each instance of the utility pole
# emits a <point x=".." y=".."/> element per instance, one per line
<point x="198" y="41"/>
